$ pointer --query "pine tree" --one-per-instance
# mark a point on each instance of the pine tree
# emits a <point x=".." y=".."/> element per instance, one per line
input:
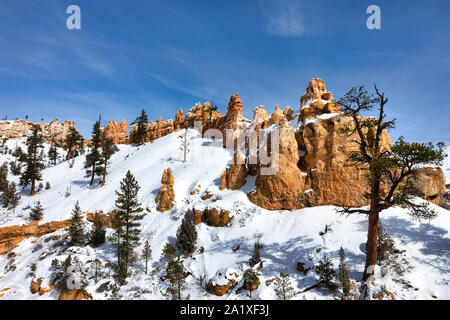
<point x="389" y="170"/>
<point x="97" y="265"/>
<point x="326" y="274"/>
<point x="169" y="253"/>
<point x="37" y="211"/>
<point x="127" y="222"/>
<point x="186" y="235"/>
<point x="19" y="154"/>
<point x="98" y="232"/>
<point x="16" y="168"/>
<point x="76" y="227"/>
<point x="139" y="133"/>
<point x="10" y="198"/>
<point x="53" y="153"/>
<point x="108" y="149"/>
<point x="93" y="158"/>
<point x="256" y="258"/>
<point x="73" y="140"/>
<point x="283" y="287"/>
<point x="4" y="177"/>
<point x="343" y="273"/>
<point x="117" y="243"/>
<point x="146" y="255"/>
<point x="176" y="275"/>
<point x="34" y="163"/>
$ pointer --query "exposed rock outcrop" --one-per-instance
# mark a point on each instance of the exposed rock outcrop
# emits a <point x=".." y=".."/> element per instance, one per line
<point x="316" y="101"/>
<point x="213" y="217"/>
<point x="431" y="181"/>
<point x="74" y="294"/>
<point x="283" y="189"/>
<point x="11" y="236"/>
<point x="117" y="131"/>
<point x="179" y="120"/>
<point x="223" y="282"/>
<point x="166" y="195"/>
<point x="202" y="113"/>
<point x="234" y="177"/>
<point x="233" y="122"/>
<point x="325" y="154"/>
<point x="54" y="130"/>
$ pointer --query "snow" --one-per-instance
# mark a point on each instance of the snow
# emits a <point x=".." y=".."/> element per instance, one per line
<point x="287" y="237"/>
<point x="321" y="117"/>
<point x="446" y="166"/>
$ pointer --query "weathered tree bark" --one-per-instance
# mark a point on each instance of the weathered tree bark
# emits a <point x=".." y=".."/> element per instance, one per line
<point x="372" y="240"/>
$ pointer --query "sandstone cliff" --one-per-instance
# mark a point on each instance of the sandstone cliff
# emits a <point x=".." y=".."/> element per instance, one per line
<point x="54" y="130"/>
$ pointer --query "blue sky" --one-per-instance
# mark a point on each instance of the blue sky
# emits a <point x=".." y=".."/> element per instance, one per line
<point x="166" y="55"/>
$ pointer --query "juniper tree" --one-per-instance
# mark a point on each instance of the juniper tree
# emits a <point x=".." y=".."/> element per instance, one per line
<point x="10" y="198"/>
<point x="76" y="227"/>
<point x="186" y="235"/>
<point x="34" y="163"/>
<point x="73" y="140"/>
<point x="53" y="152"/>
<point x="93" y="158"/>
<point x="251" y="280"/>
<point x="97" y="234"/>
<point x="108" y="149"/>
<point x="390" y="170"/>
<point x="37" y="211"/>
<point x="146" y="254"/>
<point x="343" y="273"/>
<point x="127" y="221"/>
<point x="256" y="257"/>
<point x="139" y="133"/>
<point x="283" y="287"/>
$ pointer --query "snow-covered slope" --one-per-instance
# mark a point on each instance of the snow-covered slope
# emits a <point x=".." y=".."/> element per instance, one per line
<point x="287" y="237"/>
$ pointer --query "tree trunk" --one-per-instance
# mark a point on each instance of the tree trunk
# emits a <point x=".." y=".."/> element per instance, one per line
<point x="104" y="175"/>
<point x="372" y="241"/>
<point x="33" y="184"/>
<point x="93" y="174"/>
<point x="33" y="180"/>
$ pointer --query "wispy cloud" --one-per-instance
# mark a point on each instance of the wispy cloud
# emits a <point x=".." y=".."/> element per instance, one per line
<point x="283" y="17"/>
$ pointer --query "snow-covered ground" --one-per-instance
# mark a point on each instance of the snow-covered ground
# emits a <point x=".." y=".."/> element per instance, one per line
<point x="287" y="237"/>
